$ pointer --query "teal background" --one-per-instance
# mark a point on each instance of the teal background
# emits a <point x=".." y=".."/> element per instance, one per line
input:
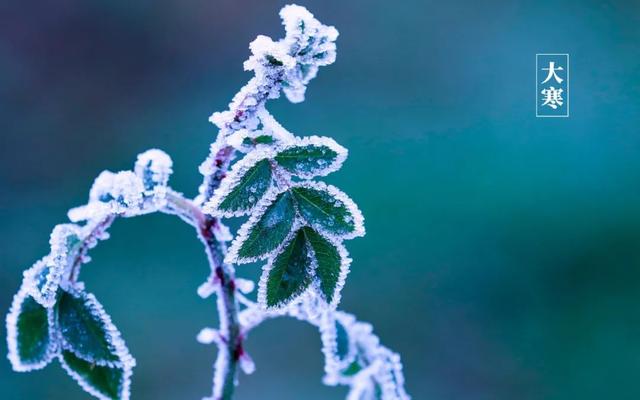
<point x="503" y="251"/>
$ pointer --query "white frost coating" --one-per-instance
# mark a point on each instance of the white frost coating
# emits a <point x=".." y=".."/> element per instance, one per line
<point x="246" y="364"/>
<point x="117" y="345"/>
<point x="245" y="285"/>
<point x="272" y="126"/>
<point x="124" y="389"/>
<point x="381" y="367"/>
<point x="231" y="181"/>
<point x="313" y="45"/>
<point x="122" y="191"/>
<point x="207" y="288"/>
<point x="328" y="334"/>
<point x="322" y="168"/>
<point x="17" y="363"/>
<point x="154" y="167"/>
<point x="259" y="209"/>
<point x="340" y="199"/>
<point x="209" y="336"/>
<point x="345" y="262"/>
<point x="43" y="279"/>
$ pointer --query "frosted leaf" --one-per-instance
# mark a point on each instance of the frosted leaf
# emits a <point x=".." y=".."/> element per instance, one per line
<point x="287" y="275"/>
<point x="86" y="330"/>
<point x="331" y="265"/>
<point x="102" y="381"/>
<point x="154" y="167"/>
<point x="338" y="345"/>
<point x="268" y="226"/>
<point x="312" y="45"/>
<point x="328" y="210"/>
<point x="246" y="183"/>
<point x="43" y="279"/>
<point x="311" y="156"/>
<point x="267" y="56"/>
<point x="30" y="338"/>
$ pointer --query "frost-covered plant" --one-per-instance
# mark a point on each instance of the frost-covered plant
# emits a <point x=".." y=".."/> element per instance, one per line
<point x="295" y="222"/>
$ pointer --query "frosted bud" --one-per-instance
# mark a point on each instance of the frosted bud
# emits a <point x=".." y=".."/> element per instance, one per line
<point x="245" y="285"/>
<point x="209" y="336"/>
<point x="154" y="168"/>
<point x="122" y="191"/>
<point x="206" y="289"/>
<point x="246" y="364"/>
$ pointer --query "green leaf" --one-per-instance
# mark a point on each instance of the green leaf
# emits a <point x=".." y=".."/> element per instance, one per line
<point x="312" y="156"/>
<point x="242" y="189"/>
<point x="327" y="209"/>
<point x="86" y="329"/>
<point x="328" y="261"/>
<point x="31" y="345"/>
<point x="101" y="381"/>
<point x="257" y="239"/>
<point x="289" y="274"/>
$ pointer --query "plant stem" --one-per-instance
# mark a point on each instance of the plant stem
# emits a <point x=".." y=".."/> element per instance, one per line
<point x="230" y="350"/>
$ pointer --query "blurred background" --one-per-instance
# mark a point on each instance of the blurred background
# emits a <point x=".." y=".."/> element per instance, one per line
<point x="502" y="256"/>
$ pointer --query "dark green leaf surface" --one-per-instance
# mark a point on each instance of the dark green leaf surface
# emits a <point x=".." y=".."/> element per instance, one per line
<point x="271" y="229"/>
<point x="33" y="340"/>
<point x="328" y="262"/>
<point x="107" y="381"/>
<point x="249" y="189"/>
<point x="323" y="211"/>
<point x="306" y="160"/>
<point x="82" y="328"/>
<point x="289" y="275"/>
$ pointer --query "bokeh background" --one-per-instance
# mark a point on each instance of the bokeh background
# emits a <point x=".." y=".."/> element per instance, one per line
<point x="503" y="251"/>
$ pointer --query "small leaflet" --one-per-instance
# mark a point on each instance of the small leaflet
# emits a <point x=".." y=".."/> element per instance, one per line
<point x="30" y="338"/>
<point x="287" y="275"/>
<point x="311" y="156"/>
<point x="332" y="265"/>
<point x="328" y="210"/>
<point x="269" y="225"/>
<point x="244" y="186"/>
<point x="86" y="330"/>
<point x="103" y="382"/>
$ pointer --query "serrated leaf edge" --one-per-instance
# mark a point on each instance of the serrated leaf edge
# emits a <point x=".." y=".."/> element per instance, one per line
<point x="341" y="153"/>
<point x="345" y="262"/>
<point x="231" y="181"/>
<point x="117" y="345"/>
<point x="266" y="269"/>
<point x="358" y="218"/>
<point x="125" y="387"/>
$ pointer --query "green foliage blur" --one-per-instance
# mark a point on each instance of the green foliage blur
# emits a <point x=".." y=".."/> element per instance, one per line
<point x="502" y="258"/>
